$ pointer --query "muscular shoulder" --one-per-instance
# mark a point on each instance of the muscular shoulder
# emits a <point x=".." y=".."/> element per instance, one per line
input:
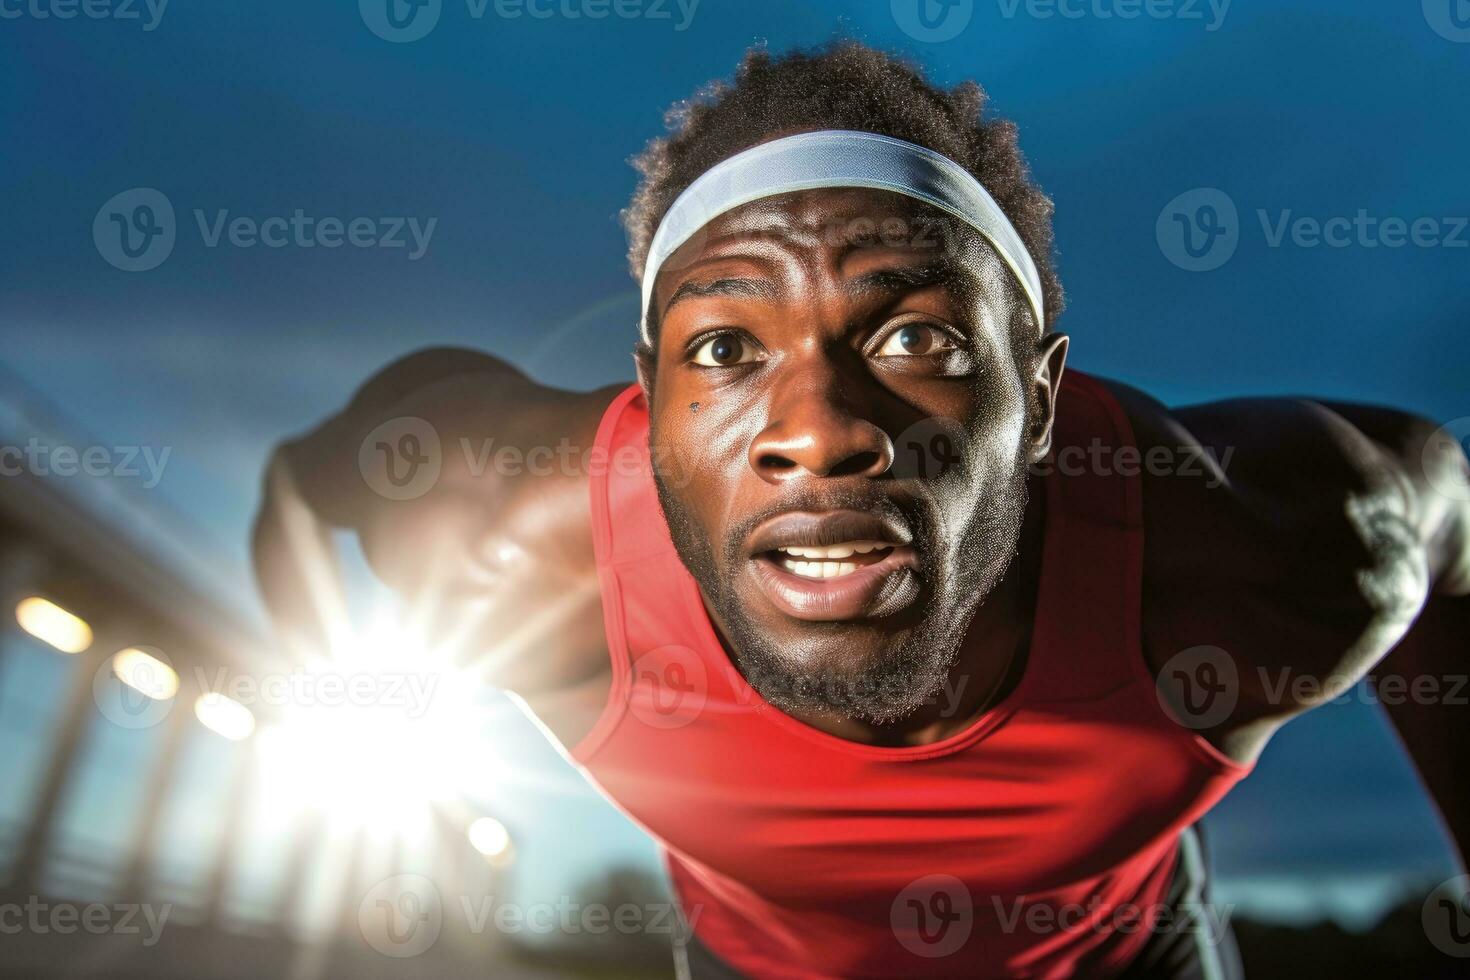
<point x="1297" y="542"/>
<point x="1267" y="488"/>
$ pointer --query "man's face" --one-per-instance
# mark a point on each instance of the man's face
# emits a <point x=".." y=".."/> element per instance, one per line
<point x="840" y="433"/>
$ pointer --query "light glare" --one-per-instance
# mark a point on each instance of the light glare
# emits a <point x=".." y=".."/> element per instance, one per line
<point x="224" y="716"/>
<point x="490" y="838"/>
<point x="386" y="755"/>
<point x="48" y="622"/>
<point x="145" y="673"/>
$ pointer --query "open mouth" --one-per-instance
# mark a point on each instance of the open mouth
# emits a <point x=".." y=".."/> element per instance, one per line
<point x="834" y="566"/>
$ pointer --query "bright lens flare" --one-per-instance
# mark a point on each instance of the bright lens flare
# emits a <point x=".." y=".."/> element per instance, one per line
<point x="224" y="716"/>
<point x="376" y="736"/>
<point x="48" y="622"/>
<point x="490" y="838"/>
<point x="145" y="673"/>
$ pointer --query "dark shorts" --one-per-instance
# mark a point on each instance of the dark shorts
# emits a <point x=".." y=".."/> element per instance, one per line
<point x="1200" y="947"/>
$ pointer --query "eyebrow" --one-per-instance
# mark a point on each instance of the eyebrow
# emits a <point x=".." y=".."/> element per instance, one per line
<point x="902" y="279"/>
<point x="754" y="288"/>
<point x="899" y="279"/>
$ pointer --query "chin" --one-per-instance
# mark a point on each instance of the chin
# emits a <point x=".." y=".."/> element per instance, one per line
<point x="850" y="670"/>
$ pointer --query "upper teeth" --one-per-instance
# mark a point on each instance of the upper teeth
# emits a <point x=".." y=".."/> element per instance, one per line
<point x="826" y="562"/>
<point x="844" y="550"/>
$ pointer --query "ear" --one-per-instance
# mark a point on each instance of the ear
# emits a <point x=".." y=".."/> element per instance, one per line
<point x="1050" y="364"/>
<point x="643" y="361"/>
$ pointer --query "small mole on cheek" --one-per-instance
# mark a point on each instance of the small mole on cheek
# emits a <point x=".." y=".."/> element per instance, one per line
<point x="693" y="407"/>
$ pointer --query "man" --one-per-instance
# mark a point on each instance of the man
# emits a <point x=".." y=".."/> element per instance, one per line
<point x="920" y="656"/>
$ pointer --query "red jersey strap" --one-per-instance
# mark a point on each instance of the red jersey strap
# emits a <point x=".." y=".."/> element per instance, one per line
<point x="630" y="539"/>
<point x="627" y="520"/>
<point x="1092" y="569"/>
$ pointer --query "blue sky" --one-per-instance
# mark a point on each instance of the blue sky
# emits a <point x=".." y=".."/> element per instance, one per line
<point x="513" y="134"/>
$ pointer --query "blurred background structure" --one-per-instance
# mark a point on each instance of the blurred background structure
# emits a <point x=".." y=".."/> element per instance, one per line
<point x="152" y="826"/>
<point x="506" y="139"/>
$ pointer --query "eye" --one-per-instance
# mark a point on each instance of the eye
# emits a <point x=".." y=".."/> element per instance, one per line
<point x="724" y="350"/>
<point x="915" y="340"/>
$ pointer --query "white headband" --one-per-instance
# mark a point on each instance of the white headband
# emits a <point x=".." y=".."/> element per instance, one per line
<point x="839" y="158"/>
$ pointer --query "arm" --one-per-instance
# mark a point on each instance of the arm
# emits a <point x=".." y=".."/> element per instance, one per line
<point x="1427" y="463"/>
<point x="1436" y="729"/>
<point x="467" y="540"/>
<point x="313" y="485"/>
<point x="1434" y="719"/>
<point x="1308" y="556"/>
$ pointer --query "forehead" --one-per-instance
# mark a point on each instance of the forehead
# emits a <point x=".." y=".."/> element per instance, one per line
<point x="831" y="211"/>
<point x="827" y="228"/>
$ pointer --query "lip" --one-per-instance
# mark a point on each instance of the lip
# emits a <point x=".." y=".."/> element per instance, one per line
<point x="813" y="530"/>
<point x="879" y="589"/>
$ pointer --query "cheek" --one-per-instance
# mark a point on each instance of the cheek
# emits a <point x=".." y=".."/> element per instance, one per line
<point x="1002" y="420"/>
<point x="996" y="448"/>
<point x="993" y="444"/>
<point x="702" y="456"/>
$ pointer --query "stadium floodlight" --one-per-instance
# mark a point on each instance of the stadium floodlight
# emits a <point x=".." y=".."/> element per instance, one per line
<point x="48" y="622"/>
<point x="490" y="838"/>
<point x="145" y="673"/>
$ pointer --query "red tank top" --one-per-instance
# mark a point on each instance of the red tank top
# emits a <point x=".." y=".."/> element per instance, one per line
<point x="1028" y="844"/>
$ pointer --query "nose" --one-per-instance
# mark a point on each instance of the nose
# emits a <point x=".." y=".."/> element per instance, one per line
<point x="814" y="432"/>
